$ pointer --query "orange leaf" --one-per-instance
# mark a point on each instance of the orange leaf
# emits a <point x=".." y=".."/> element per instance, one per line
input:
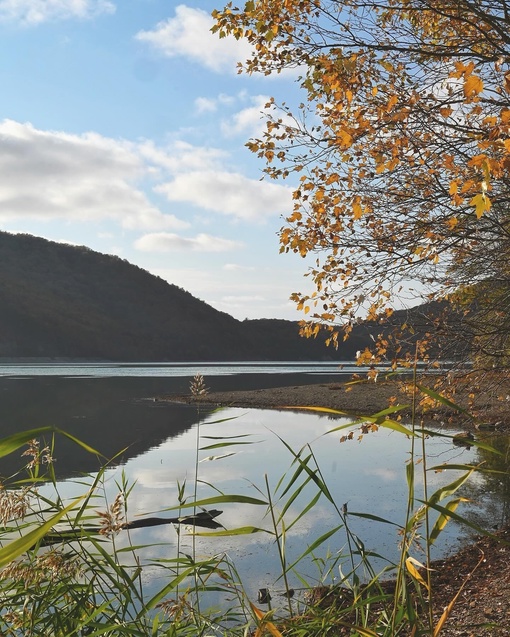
<point x="357" y="210"/>
<point x="472" y="86"/>
<point x="506" y="82"/>
<point x="265" y="624"/>
<point x="391" y="103"/>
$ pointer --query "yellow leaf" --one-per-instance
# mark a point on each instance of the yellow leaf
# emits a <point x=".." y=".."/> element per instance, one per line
<point x="357" y="210"/>
<point x="482" y="204"/>
<point x="411" y="564"/>
<point x="472" y="86"/>
<point x="295" y="216"/>
<point x="454" y="187"/>
<point x="452" y="222"/>
<point x="345" y="138"/>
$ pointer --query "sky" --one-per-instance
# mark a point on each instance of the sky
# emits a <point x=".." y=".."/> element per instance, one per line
<point x="123" y="126"/>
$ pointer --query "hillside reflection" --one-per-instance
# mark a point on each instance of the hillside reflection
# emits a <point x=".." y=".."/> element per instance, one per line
<point x="111" y="414"/>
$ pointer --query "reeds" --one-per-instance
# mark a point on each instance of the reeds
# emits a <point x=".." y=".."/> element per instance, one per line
<point x="62" y="572"/>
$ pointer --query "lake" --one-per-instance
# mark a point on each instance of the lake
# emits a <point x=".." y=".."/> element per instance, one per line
<point x="112" y="408"/>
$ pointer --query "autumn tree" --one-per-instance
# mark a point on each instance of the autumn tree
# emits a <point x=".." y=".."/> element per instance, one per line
<point x="399" y="153"/>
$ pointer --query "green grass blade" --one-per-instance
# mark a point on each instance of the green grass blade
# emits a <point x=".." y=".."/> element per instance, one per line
<point x="80" y="443"/>
<point x="312" y="473"/>
<point x="168" y="588"/>
<point x="380" y="415"/>
<point x="15" y="441"/>
<point x="226" y="437"/>
<point x="443" y="519"/>
<point x="314" y="545"/>
<point x="449" y="489"/>
<point x="459" y="518"/>
<point x="292" y="499"/>
<point x="324" y="410"/>
<point x="375" y="518"/>
<point x="441" y="399"/>
<point x="305" y="510"/>
<point x="220" y="445"/>
<point x="299" y="470"/>
<point x="219" y="499"/>
<point x="243" y="530"/>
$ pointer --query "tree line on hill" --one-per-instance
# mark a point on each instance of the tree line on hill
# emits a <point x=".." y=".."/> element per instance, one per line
<point x="63" y="301"/>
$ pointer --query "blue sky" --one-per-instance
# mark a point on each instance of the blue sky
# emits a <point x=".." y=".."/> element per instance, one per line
<point x="122" y="128"/>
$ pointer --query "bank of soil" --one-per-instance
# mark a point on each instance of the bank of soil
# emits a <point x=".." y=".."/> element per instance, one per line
<point x="488" y="407"/>
<point x="481" y="569"/>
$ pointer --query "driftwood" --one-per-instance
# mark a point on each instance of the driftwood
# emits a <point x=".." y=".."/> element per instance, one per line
<point x="204" y="519"/>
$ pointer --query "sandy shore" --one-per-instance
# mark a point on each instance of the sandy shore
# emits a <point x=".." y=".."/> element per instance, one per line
<point x="363" y="399"/>
<point x="356" y="399"/>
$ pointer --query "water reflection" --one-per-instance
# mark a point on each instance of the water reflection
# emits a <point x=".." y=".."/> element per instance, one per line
<point x="489" y="492"/>
<point x="369" y="476"/>
<point x="160" y="442"/>
<point x="112" y="414"/>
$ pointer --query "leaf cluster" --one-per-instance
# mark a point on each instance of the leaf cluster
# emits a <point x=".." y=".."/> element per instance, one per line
<point x="400" y="150"/>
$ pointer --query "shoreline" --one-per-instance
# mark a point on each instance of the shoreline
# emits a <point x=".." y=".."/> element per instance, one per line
<point x="478" y="572"/>
<point x="362" y="398"/>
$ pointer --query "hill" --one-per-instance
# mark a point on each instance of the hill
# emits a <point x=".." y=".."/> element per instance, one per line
<point x="62" y="301"/>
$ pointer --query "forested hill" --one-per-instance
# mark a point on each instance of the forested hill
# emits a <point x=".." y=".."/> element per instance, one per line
<point x="58" y="300"/>
<point x="62" y="301"/>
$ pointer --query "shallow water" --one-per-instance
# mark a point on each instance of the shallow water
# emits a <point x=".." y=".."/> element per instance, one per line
<point x="160" y="440"/>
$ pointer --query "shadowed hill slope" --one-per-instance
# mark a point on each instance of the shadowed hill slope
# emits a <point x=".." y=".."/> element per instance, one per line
<point x="62" y="301"/>
<point x="58" y="300"/>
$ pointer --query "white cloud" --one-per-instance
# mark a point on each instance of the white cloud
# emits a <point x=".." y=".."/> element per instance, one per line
<point x="234" y="267"/>
<point x="230" y="194"/>
<point x="33" y="12"/>
<point x="49" y="175"/>
<point x="205" y="105"/>
<point x="180" y="156"/>
<point x="188" y="34"/>
<point x="169" y="242"/>
<point x="211" y="104"/>
<point x="248" y="121"/>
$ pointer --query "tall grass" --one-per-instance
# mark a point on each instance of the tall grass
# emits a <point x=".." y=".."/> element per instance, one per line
<point x="63" y="571"/>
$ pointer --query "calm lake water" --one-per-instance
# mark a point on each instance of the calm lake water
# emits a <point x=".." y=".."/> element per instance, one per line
<point x="112" y="407"/>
